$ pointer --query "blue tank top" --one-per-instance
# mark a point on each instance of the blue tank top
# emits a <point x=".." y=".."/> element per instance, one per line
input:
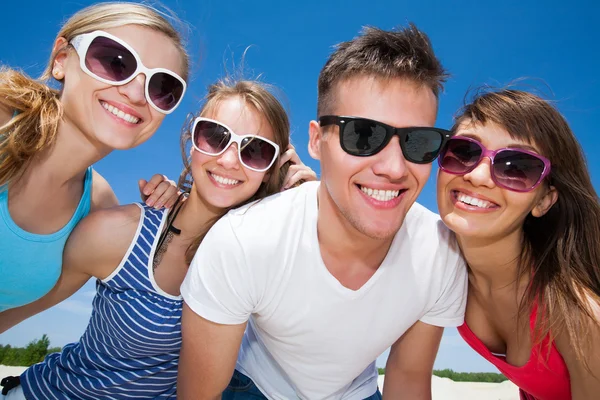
<point x="130" y="349"/>
<point x="30" y="264"/>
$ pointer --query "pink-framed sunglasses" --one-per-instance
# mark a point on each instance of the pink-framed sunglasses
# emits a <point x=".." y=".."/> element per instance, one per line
<point x="511" y="168"/>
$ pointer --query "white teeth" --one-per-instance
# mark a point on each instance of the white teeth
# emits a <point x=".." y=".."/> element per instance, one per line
<point x="223" y="180"/>
<point x="380" y="195"/>
<point x="120" y="113"/>
<point x="473" y="201"/>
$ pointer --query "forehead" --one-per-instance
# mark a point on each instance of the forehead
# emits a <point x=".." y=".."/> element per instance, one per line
<point x="493" y="136"/>
<point x="156" y="50"/>
<point x="398" y="102"/>
<point x="240" y="116"/>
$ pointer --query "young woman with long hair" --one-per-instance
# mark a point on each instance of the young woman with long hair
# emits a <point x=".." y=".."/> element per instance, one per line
<point x="122" y="68"/>
<point x="514" y="187"/>
<point x="235" y="151"/>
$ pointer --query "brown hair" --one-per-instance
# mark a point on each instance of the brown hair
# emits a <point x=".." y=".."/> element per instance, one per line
<point x="561" y="249"/>
<point x="402" y="53"/>
<point x="258" y="96"/>
<point x="40" y="110"/>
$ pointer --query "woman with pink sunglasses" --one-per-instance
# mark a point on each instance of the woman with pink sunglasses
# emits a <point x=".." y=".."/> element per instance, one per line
<point x="130" y="349"/>
<point x="514" y="187"/>
<point x="122" y="68"/>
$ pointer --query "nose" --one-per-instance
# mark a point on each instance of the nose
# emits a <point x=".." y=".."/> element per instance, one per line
<point x="135" y="90"/>
<point x="481" y="175"/>
<point x="390" y="161"/>
<point x="229" y="159"/>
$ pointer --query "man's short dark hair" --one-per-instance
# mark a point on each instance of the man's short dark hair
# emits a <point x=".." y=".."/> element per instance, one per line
<point x="400" y="53"/>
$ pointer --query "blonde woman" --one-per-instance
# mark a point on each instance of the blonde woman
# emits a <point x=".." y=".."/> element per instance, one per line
<point x="122" y="68"/>
<point x="140" y="256"/>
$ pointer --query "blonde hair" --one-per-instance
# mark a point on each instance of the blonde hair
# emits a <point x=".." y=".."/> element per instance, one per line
<point x="258" y="96"/>
<point x="39" y="107"/>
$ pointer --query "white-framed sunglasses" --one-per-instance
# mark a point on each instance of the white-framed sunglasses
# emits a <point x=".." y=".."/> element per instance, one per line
<point x="212" y="138"/>
<point x="111" y="60"/>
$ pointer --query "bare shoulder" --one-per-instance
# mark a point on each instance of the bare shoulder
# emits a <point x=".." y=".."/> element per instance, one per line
<point x="99" y="242"/>
<point x="102" y="194"/>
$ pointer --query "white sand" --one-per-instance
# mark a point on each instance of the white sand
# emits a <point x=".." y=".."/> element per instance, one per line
<point x="446" y="389"/>
<point x="442" y="388"/>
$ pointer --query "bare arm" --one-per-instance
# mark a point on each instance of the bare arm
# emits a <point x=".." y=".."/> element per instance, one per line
<point x="410" y="364"/>
<point x="584" y="373"/>
<point x="208" y="355"/>
<point x="94" y="249"/>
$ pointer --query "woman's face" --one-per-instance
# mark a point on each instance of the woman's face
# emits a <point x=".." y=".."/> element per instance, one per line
<point x="473" y="206"/>
<point x="222" y="181"/>
<point x="115" y="117"/>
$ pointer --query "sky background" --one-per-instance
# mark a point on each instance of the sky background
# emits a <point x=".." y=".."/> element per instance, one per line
<point x="555" y="44"/>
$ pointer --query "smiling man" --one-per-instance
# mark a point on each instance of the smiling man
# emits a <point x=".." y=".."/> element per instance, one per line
<point x="318" y="281"/>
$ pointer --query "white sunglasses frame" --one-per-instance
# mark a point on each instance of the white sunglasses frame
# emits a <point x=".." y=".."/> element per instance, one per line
<point x="235" y="138"/>
<point x="81" y="44"/>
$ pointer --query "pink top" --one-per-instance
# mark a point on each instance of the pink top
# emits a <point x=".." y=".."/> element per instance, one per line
<point x="539" y="378"/>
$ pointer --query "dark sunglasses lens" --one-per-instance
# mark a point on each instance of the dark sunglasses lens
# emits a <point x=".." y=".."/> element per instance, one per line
<point x="363" y="137"/>
<point x="517" y="170"/>
<point x="165" y="90"/>
<point x="460" y="156"/>
<point x="257" y="153"/>
<point x="110" y="60"/>
<point x="422" y="145"/>
<point x="211" y="137"/>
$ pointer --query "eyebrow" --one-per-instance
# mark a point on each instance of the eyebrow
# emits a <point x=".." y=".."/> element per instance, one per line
<point x="510" y="146"/>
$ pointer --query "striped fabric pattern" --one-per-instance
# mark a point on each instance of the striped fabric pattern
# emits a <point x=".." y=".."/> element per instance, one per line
<point x="130" y="349"/>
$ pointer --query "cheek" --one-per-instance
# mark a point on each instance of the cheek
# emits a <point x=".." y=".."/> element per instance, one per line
<point x="255" y="179"/>
<point x="198" y="159"/>
<point x="421" y="172"/>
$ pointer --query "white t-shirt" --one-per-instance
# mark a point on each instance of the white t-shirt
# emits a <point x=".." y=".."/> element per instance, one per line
<point x="308" y="336"/>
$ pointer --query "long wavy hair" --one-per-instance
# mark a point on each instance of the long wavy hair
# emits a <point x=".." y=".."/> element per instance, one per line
<point x="260" y="97"/>
<point x="39" y="109"/>
<point x="561" y="249"/>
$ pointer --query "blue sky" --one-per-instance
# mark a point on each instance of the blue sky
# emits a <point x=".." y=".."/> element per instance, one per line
<point x="555" y="44"/>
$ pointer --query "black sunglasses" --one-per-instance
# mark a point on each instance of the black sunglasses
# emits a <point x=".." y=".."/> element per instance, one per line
<point x="366" y="137"/>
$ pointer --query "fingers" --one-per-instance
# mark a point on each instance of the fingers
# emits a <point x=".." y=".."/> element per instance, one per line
<point x="298" y="174"/>
<point x="290" y="155"/>
<point x="158" y="192"/>
<point x="152" y="184"/>
<point x="166" y="193"/>
<point x="142" y="184"/>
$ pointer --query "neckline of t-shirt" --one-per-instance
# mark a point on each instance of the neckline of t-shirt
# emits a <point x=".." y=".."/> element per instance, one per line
<point x="330" y="279"/>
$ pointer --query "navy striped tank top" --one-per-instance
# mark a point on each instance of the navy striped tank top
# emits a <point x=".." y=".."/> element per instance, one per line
<point x="130" y="349"/>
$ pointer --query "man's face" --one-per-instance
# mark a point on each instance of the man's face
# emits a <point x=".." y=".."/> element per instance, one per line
<point x="352" y="186"/>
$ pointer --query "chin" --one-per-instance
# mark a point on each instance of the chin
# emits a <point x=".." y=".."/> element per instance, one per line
<point x="380" y="231"/>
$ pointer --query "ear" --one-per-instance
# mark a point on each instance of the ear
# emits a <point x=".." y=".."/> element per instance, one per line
<point x="545" y="203"/>
<point x="315" y="136"/>
<point x="60" y="57"/>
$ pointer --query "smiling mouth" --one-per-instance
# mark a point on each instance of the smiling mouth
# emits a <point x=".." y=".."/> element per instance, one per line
<point x="381" y="195"/>
<point x="473" y="201"/>
<point x="224" y="181"/>
<point x="120" y="113"/>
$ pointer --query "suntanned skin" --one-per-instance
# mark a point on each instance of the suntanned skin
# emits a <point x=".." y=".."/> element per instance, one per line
<point x="492" y="246"/>
<point x="410" y="363"/>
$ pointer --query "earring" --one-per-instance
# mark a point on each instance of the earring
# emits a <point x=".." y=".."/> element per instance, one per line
<point x="57" y="74"/>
